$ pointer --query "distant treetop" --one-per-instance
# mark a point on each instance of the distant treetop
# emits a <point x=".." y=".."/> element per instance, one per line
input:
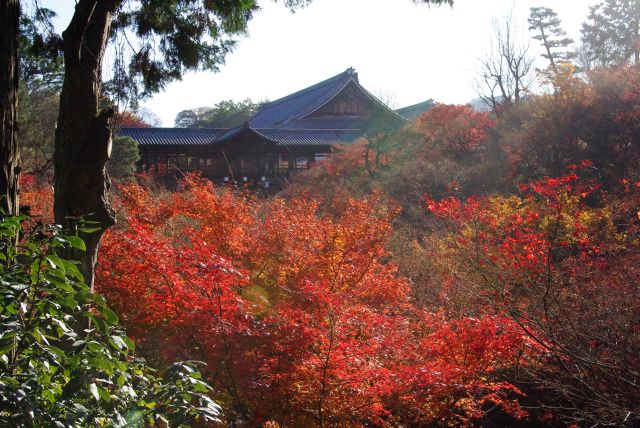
<point x="225" y="114"/>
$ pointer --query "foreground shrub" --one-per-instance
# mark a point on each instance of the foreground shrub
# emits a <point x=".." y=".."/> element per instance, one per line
<point x="63" y="359"/>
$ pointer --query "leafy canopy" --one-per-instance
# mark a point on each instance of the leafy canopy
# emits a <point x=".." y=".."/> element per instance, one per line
<point x="225" y="114"/>
<point x="298" y="313"/>
<point x="610" y="35"/>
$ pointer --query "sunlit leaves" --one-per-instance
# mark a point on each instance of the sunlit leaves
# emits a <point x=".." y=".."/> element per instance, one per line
<point x="561" y="260"/>
<point x="298" y="312"/>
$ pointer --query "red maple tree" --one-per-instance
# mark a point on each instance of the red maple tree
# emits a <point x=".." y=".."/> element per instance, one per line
<point x="299" y="315"/>
<point x="561" y="261"/>
<point x="458" y="129"/>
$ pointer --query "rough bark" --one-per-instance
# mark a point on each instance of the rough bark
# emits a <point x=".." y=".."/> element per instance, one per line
<point x="83" y="135"/>
<point x="9" y="154"/>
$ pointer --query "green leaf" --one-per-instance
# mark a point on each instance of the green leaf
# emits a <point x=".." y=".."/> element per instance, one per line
<point x="49" y="396"/>
<point x="4" y="349"/>
<point x="117" y="340"/>
<point x="98" y="322"/>
<point x="129" y="342"/>
<point x="109" y="315"/>
<point x="89" y="229"/>
<point x="77" y="242"/>
<point x="55" y="262"/>
<point x="24" y="259"/>
<point x="57" y="281"/>
<point x="104" y="394"/>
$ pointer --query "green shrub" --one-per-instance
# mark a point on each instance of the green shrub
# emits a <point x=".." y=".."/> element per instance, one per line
<point x="63" y="359"/>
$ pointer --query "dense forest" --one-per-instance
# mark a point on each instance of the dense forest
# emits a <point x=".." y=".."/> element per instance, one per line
<point x="476" y="267"/>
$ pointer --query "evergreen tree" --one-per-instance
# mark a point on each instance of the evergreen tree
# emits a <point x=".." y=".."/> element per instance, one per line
<point x="611" y="34"/>
<point x="225" y="114"/>
<point x="551" y="36"/>
<point x="124" y="156"/>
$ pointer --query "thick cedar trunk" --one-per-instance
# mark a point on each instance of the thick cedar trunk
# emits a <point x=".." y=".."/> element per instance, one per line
<point x="83" y="135"/>
<point x="9" y="155"/>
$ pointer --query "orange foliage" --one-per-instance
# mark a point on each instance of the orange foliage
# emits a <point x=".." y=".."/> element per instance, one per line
<point x="562" y="261"/>
<point x="458" y="129"/>
<point x="38" y="196"/>
<point x="299" y="315"/>
<point x="594" y="119"/>
<point x="129" y="120"/>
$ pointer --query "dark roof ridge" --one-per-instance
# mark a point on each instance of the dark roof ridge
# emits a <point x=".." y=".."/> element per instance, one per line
<point x="172" y="128"/>
<point x="171" y="136"/>
<point x="348" y="72"/>
<point x="232" y="132"/>
<point x="255" y="131"/>
<point x="307" y="129"/>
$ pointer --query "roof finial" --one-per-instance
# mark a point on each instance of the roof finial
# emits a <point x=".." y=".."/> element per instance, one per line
<point x="352" y="72"/>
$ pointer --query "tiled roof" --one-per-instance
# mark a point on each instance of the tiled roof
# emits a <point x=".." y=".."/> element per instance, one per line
<point x="325" y="123"/>
<point x="286" y="121"/>
<point x="279" y="113"/>
<point x="413" y="111"/>
<point x="232" y="132"/>
<point x="310" y="137"/>
<point x="297" y="137"/>
<point x="172" y="136"/>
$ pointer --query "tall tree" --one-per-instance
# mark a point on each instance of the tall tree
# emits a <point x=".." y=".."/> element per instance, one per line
<point x="193" y="35"/>
<point x="611" y="35"/>
<point x="9" y="155"/>
<point x="506" y="70"/>
<point x="83" y="136"/>
<point x="545" y="22"/>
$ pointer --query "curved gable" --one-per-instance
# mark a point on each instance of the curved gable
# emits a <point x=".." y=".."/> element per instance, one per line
<point x="350" y="101"/>
<point x="281" y="112"/>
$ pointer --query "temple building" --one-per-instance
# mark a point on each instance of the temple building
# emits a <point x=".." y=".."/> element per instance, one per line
<point x="284" y="136"/>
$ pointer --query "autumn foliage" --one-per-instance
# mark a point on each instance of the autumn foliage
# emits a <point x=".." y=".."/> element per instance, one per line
<point x="472" y="270"/>
<point x="128" y="119"/>
<point x="299" y="316"/>
<point x="458" y="129"/>
<point x="37" y="195"/>
<point x="531" y="215"/>
<point x="561" y="259"/>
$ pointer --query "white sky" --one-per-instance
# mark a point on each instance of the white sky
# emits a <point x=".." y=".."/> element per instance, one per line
<point x="404" y="52"/>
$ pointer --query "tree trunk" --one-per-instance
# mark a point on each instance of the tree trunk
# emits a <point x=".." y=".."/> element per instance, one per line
<point x="545" y="42"/>
<point x="9" y="154"/>
<point x="83" y="134"/>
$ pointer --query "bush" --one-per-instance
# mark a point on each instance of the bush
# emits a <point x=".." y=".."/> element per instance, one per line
<point x="63" y="359"/>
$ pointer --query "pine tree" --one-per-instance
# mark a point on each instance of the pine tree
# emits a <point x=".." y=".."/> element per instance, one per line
<point x="552" y="37"/>
<point x="611" y="34"/>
